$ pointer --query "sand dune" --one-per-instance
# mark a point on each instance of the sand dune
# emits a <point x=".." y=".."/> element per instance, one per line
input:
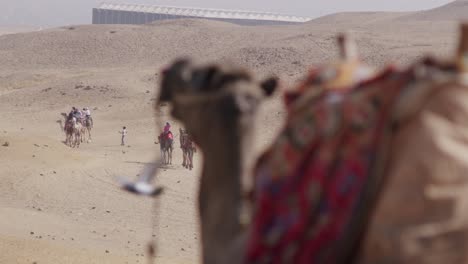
<point x="454" y="11"/>
<point x="358" y="18"/>
<point x="62" y="205"/>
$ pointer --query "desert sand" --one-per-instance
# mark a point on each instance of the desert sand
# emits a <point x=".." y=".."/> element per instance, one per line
<point x="62" y="205"/>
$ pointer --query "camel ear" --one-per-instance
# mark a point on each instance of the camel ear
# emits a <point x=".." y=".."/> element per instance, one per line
<point x="269" y="85"/>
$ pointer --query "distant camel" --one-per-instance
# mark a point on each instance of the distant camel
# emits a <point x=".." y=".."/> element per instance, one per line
<point x="188" y="148"/>
<point x="85" y="136"/>
<point x="87" y="123"/>
<point x="68" y="129"/>
<point x="166" y="146"/>
<point x="77" y="133"/>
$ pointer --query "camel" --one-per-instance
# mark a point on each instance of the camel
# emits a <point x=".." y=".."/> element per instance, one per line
<point x="421" y="213"/>
<point x="166" y="147"/>
<point x="217" y="105"/>
<point x="82" y="131"/>
<point x="68" y="128"/>
<point x="188" y="149"/>
<point x="65" y="126"/>
<point x="409" y="206"/>
<point x="86" y="131"/>
<point x="77" y="129"/>
<point x="75" y="132"/>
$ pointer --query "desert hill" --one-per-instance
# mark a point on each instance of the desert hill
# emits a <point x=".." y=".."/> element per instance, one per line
<point x="357" y="18"/>
<point x="454" y="11"/>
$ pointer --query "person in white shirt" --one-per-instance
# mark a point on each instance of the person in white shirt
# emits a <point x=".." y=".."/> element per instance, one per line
<point x="87" y="115"/>
<point x="124" y="133"/>
<point x="87" y="112"/>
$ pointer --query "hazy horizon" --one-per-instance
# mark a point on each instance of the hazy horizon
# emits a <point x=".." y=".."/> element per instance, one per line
<point x="57" y="13"/>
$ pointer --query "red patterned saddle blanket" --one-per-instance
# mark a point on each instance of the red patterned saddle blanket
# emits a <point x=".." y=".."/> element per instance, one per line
<point x="315" y="185"/>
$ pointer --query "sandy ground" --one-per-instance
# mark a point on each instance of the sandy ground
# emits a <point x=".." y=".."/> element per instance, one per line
<point x="62" y="205"/>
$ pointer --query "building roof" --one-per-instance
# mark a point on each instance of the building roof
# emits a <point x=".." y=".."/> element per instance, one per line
<point x="204" y="12"/>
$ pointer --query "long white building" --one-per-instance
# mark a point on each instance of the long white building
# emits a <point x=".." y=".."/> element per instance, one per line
<point x="110" y="13"/>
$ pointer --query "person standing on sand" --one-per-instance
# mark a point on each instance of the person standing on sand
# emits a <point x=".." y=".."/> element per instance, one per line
<point x="124" y="133"/>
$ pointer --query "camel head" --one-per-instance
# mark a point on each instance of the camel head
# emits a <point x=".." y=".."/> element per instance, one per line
<point x="213" y="98"/>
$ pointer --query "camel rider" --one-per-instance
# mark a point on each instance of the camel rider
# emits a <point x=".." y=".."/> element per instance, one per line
<point x="72" y="112"/>
<point x="167" y="131"/>
<point x="76" y="113"/>
<point x="167" y="128"/>
<point x="87" y="114"/>
<point x="70" y="116"/>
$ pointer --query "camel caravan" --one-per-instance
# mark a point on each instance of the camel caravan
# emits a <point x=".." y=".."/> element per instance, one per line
<point x="78" y="126"/>
<point x="370" y="166"/>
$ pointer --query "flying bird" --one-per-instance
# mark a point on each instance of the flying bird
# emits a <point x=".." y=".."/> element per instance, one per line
<point x="143" y="184"/>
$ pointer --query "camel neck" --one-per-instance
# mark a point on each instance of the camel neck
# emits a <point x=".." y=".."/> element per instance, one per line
<point x="220" y="191"/>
